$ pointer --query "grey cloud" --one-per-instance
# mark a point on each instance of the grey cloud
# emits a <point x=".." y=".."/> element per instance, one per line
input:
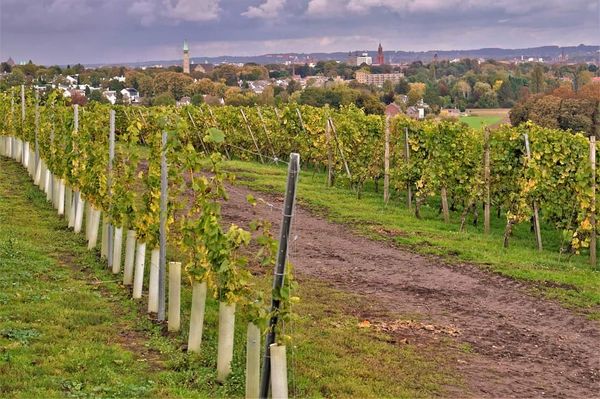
<point x="268" y="9"/>
<point x="68" y="31"/>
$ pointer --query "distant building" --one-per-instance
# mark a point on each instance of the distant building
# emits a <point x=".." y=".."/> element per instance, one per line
<point x="357" y="60"/>
<point x="415" y="112"/>
<point x="378" y="79"/>
<point x="392" y="110"/>
<point x="186" y="57"/>
<point x="380" y="57"/>
<point x="110" y="95"/>
<point x="72" y="80"/>
<point x="450" y="112"/>
<point x="10" y="62"/>
<point x="130" y="95"/>
<point x="184" y="101"/>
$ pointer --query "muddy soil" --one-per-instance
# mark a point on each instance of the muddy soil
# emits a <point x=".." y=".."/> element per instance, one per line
<point x="524" y="346"/>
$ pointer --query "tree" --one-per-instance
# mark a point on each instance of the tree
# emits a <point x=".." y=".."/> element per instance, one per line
<point x="506" y="96"/>
<point x="236" y="97"/>
<point x="15" y="78"/>
<point x="115" y="85"/>
<point x="145" y="85"/>
<point x="370" y="103"/>
<point x="267" y="97"/>
<point x="480" y="89"/>
<point x="165" y="98"/>
<point x="577" y="115"/>
<point x="197" y="99"/>
<point x="388" y="97"/>
<point x="172" y="82"/>
<point x="537" y="79"/>
<point x="416" y="92"/>
<point x="254" y="72"/>
<point x="545" y="111"/>
<point x="488" y="99"/>
<point x="590" y="91"/>
<point x="293" y="86"/>
<point x="227" y="73"/>
<point x="77" y="98"/>
<point x="402" y="87"/>
<point x="519" y="113"/>
<point x="96" y="95"/>
<point x="202" y="86"/>
<point x="582" y="78"/>
<point x="462" y="88"/>
<point x="5" y="67"/>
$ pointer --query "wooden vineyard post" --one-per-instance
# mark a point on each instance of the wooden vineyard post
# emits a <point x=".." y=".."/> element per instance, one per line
<point x="299" y="117"/>
<point x="386" y="162"/>
<point x="264" y="125"/>
<point x="279" y="272"/>
<point x="536" y="213"/>
<point x="329" y="154"/>
<point x="252" y="135"/>
<point x="445" y="210"/>
<point x="486" y="176"/>
<point x="162" y="259"/>
<point x="337" y="143"/>
<point x="407" y="159"/>
<point x="593" y="214"/>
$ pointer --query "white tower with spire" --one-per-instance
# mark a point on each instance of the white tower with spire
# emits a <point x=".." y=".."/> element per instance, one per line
<point x="186" y="57"/>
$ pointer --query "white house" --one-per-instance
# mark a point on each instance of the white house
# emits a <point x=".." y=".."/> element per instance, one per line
<point x="72" y="80"/>
<point x="130" y="95"/>
<point x="111" y="96"/>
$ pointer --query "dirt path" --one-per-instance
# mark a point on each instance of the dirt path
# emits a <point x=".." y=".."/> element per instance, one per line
<point x="524" y="346"/>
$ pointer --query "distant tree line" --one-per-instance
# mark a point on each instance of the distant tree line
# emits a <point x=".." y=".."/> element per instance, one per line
<point x="462" y="84"/>
<point x="563" y="108"/>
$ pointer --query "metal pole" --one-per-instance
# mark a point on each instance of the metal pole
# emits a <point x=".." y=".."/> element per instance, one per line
<point x="37" y="128"/>
<point x="593" y="213"/>
<point x="279" y="273"/>
<point x="111" y="156"/>
<point x="23" y="121"/>
<point x="162" y="259"/>
<point x="22" y="103"/>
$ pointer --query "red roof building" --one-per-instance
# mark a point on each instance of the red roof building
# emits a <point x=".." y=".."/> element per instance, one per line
<point x="380" y="57"/>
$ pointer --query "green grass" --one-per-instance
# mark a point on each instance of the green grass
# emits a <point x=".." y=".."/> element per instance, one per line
<point x="69" y="329"/>
<point x="480" y="122"/>
<point x="570" y="279"/>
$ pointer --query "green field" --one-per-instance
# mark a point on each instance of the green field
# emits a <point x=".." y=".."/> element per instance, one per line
<point x="480" y="122"/>
<point x="68" y="328"/>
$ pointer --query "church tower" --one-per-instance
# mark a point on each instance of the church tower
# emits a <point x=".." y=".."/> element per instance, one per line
<point x="186" y="57"/>
<point x="380" y="58"/>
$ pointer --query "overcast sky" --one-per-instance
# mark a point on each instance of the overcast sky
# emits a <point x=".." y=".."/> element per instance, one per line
<point x="103" y="31"/>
